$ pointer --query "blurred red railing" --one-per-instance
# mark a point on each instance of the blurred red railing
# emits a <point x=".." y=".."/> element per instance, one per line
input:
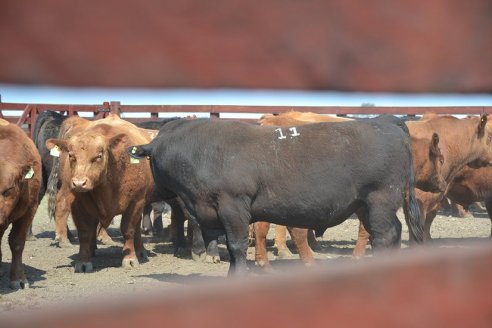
<point x="30" y="111"/>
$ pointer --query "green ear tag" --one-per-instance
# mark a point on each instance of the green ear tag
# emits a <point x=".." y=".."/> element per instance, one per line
<point x="55" y="151"/>
<point x="29" y="174"/>
<point x="134" y="160"/>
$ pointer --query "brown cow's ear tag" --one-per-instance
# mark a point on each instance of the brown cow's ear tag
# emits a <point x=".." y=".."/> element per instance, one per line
<point x="29" y="174"/>
<point x="55" y="151"/>
<point x="132" y="159"/>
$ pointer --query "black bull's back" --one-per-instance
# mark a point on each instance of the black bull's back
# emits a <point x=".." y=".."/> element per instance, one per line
<point x="311" y="176"/>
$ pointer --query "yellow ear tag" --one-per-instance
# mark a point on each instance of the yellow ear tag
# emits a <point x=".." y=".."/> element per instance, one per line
<point x="55" y="151"/>
<point x="134" y="160"/>
<point x="29" y="174"/>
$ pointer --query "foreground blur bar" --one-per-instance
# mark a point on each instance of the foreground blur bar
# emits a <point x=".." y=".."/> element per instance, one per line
<point x="426" y="287"/>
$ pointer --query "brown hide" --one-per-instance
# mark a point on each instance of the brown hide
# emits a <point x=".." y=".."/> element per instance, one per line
<point x="20" y="181"/>
<point x="472" y="185"/>
<point x="96" y="152"/>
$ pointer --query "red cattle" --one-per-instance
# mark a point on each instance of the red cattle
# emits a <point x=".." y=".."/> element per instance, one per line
<point x="20" y="182"/>
<point x="104" y="182"/>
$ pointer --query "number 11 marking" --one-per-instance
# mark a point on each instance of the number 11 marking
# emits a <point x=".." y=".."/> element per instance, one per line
<point x="293" y="131"/>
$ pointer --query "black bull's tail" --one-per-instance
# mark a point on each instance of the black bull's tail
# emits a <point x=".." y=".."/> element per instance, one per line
<point x="411" y="206"/>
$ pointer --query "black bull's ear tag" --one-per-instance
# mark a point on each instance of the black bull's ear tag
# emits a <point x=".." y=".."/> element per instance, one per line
<point x="133" y="160"/>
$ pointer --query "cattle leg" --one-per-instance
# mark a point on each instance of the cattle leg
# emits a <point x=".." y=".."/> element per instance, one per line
<point x="312" y="241"/>
<point x="429" y="218"/>
<point x="103" y="236"/>
<point x="86" y="228"/>
<point x="130" y="229"/>
<point x="300" y="238"/>
<point x="139" y="246"/>
<point x="17" y="240"/>
<point x="146" y="221"/>
<point x="158" y="208"/>
<point x="261" y="254"/>
<point x="64" y="200"/>
<point x="488" y="207"/>
<point x="235" y="218"/>
<point x="382" y="223"/>
<point x="362" y="240"/>
<point x="30" y="235"/>
<point x="198" y="250"/>
<point x="177" y="228"/>
<point x="280" y="242"/>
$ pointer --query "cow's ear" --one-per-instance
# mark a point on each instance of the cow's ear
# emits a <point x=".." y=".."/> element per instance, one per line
<point x="481" y="125"/>
<point x="117" y="139"/>
<point x="434" y="147"/>
<point x="62" y="144"/>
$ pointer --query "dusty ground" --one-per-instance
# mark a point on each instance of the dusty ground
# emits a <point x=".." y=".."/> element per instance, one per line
<point x="50" y="269"/>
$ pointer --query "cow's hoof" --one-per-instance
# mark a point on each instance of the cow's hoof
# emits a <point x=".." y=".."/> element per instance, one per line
<point x="214" y="259"/>
<point x="283" y="253"/>
<point x="142" y="253"/>
<point x="198" y="257"/>
<point x="181" y="252"/>
<point x="63" y="243"/>
<point x="19" y="284"/>
<point x="83" y="267"/>
<point x="129" y="263"/>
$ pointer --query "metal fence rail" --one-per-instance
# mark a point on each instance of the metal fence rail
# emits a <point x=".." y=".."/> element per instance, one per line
<point x="30" y="111"/>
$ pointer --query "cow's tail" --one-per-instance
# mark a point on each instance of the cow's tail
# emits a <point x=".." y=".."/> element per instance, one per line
<point x="52" y="187"/>
<point x="411" y="206"/>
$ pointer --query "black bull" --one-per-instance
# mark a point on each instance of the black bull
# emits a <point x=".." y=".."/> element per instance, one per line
<point x="230" y="174"/>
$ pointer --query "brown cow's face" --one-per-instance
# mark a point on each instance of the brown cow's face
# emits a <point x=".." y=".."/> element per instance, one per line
<point x="484" y="135"/>
<point x="87" y="158"/>
<point x="429" y="161"/>
<point x="11" y="180"/>
<point x="436" y="160"/>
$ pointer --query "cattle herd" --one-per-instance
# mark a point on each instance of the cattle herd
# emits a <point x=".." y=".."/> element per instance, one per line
<point x="304" y="172"/>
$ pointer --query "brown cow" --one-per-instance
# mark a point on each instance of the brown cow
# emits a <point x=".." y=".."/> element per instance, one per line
<point x="105" y="183"/>
<point x="427" y="158"/>
<point x="20" y="182"/>
<point x="60" y="200"/>
<point x="471" y="186"/>
<point x="464" y="142"/>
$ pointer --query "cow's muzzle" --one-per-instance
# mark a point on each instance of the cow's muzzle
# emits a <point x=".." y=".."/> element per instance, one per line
<point x="80" y="185"/>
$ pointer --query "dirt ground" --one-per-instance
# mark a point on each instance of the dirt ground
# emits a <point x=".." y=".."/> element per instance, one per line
<point x="50" y="269"/>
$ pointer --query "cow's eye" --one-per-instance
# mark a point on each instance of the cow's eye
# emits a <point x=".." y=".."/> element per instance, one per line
<point x="8" y="192"/>
<point x="71" y="156"/>
<point x="97" y="158"/>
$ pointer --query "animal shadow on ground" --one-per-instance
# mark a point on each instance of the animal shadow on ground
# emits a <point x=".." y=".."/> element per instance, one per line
<point x="189" y="279"/>
<point x="33" y="275"/>
<point x="457" y="242"/>
<point x="105" y="258"/>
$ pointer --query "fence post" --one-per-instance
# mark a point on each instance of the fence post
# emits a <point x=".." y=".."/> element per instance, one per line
<point x="115" y="108"/>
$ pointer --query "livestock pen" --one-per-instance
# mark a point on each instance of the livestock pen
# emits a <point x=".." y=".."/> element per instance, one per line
<point x="428" y="286"/>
